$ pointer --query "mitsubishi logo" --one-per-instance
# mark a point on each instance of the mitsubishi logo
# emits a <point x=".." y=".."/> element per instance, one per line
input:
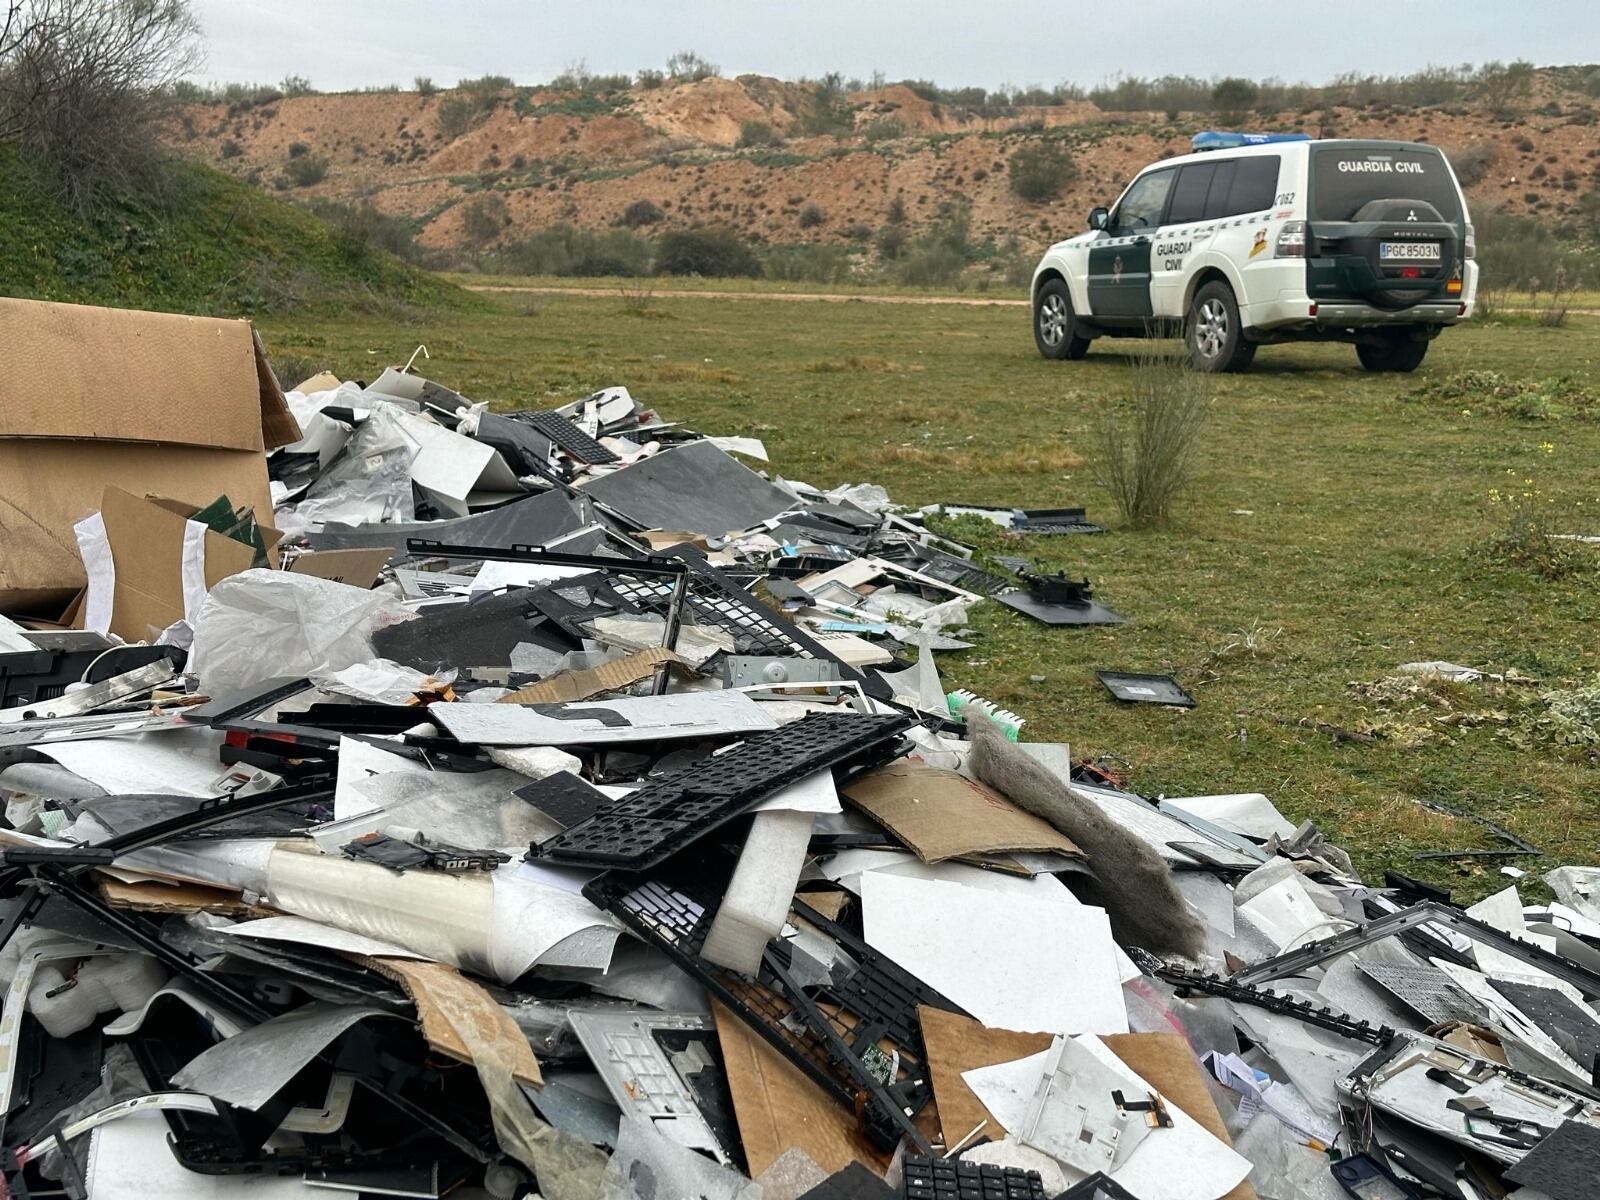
<point x="1413" y="215"/>
<point x="1116" y="269"/>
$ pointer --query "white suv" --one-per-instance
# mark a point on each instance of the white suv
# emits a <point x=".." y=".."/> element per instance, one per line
<point x="1263" y="238"/>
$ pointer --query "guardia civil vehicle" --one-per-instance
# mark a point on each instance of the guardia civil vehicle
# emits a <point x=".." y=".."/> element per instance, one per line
<point x="1257" y="239"/>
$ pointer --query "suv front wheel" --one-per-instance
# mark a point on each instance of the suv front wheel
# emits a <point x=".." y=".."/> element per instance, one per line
<point x="1213" y="332"/>
<point x="1055" y="325"/>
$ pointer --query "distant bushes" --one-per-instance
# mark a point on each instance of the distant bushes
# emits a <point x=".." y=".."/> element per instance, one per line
<point x="360" y="229"/>
<point x="640" y="213"/>
<point x="474" y="99"/>
<point x="1472" y="163"/>
<point x="808" y="264"/>
<point x="303" y="169"/>
<point x="712" y="250"/>
<point x="567" y="250"/>
<point x="1040" y="170"/>
<point x="756" y="133"/>
<point x="484" y="217"/>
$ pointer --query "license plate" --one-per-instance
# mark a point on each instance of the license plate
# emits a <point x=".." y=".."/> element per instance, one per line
<point x="1428" y="251"/>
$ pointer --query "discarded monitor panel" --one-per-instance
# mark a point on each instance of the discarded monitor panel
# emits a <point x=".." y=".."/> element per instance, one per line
<point x="1145" y="689"/>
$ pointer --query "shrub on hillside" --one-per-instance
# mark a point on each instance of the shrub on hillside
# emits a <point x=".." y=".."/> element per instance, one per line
<point x="483" y="217"/>
<point x="1234" y="97"/>
<point x="687" y="65"/>
<point x="711" y="250"/>
<point x="82" y="91"/>
<point x="455" y="116"/>
<point x="360" y="229"/>
<point x="1472" y="163"/>
<point x="425" y="85"/>
<point x="756" y="133"/>
<point x="641" y="213"/>
<point x="306" y="169"/>
<point x="811" y="216"/>
<point x="230" y="149"/>
<point x="891" y="242"/>
<point x="1040" y="170"/>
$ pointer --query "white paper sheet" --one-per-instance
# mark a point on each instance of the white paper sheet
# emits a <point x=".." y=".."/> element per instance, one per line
<point x="1249" y="813"/>
<point x="1011" y="961"/>
<point x="178" y="762"/>
<point x="95" y="550"/>
<point x="1006" y="1088"/>
<point x="192" y="569"/>
<point x="813" y="794"/>
<point x="360" y="760"/>
<point x="1185" y="1162"/>
<point x="846" y="868"/>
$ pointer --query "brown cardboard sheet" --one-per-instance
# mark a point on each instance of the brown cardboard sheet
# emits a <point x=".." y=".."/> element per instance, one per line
<point x="568" y="686"/>
<point x="941" y="814"/>
<point x="447" y="1000"/>
<point x="358" y="568"/>
<point x="778" y="1107"/>
<point x="147" y="534"/>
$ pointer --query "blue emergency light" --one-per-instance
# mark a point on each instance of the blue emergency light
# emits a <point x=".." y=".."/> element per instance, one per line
<point x="1214" y="140"/>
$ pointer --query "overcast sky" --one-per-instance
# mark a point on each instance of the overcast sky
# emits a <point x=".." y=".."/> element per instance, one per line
<point x="345" y="44"/>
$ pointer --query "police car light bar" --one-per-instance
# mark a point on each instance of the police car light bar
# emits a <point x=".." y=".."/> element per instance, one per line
<point x="1214" y="140"/>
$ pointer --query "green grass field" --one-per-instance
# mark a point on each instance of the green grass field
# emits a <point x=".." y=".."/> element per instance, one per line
<point x="1333" y="532"/>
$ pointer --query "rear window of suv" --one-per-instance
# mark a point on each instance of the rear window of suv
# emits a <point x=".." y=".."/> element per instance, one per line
<point x="1345" y="178"/>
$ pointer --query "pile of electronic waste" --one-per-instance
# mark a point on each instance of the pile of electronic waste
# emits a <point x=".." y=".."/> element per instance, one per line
<point x="549" y="804"/>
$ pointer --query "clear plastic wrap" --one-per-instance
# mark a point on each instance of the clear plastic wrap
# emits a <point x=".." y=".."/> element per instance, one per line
<point x="262" y="624"/>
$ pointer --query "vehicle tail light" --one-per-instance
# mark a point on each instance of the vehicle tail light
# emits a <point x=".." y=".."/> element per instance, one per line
<point x="1409" y="273"/>
<point x="1471" y="243"/>
<point x="1313" y="309"/>
<point x="1291" y="240"/>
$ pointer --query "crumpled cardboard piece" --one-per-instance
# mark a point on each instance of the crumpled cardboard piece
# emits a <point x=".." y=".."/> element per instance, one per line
<point x="152" y="587"/>
<point x="446" y="999"/>
<point x="569" y="686"/>
<point x="941" y="814"/>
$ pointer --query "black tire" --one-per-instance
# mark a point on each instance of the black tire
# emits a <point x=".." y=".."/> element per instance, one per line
<point x="1213" y="332"/>
<point x="1400" y="354"/>
<point x="1055" y="325"/>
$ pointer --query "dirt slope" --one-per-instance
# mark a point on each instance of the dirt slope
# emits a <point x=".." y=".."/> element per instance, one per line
<point x="582" y="158"/>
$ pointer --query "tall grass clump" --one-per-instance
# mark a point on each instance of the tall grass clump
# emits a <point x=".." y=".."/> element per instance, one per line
<point x="1148" y="441"/>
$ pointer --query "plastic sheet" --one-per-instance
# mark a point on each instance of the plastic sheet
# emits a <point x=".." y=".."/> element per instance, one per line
<point x="263" y="624"/>
<point x="647" y="1166"/>
<point x="370" y="482"/>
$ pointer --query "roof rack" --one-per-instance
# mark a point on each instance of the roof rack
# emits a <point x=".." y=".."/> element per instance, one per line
<point x="1213" y="139"/>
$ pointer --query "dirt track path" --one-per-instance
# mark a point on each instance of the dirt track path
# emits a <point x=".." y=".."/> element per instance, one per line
<point x="691" y="294"/>
<point x="829" y="297"/>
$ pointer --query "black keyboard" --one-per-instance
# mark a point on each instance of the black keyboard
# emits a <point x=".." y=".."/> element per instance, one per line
<point x="954" y="1179"/>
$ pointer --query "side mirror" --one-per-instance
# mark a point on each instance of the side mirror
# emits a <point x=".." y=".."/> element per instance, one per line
<point x="1099" y="218"/>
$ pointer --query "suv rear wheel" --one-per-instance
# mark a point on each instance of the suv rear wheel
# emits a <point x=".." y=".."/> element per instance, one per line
<point x="1213" y="332"/>
<point x="1392" y="354"/>
<point x="1055" y="325"/>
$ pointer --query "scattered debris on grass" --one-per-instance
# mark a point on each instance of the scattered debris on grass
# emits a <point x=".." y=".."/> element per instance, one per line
<point x="473" y="829"/>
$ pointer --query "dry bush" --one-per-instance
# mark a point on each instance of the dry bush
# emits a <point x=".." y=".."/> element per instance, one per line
<point x="82" y="85"/>
<point x="1148" y="442"/>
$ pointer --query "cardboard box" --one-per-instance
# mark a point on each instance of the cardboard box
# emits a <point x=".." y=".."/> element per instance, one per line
<point x="154" y="584"/>
<point x="142" y="401"/>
